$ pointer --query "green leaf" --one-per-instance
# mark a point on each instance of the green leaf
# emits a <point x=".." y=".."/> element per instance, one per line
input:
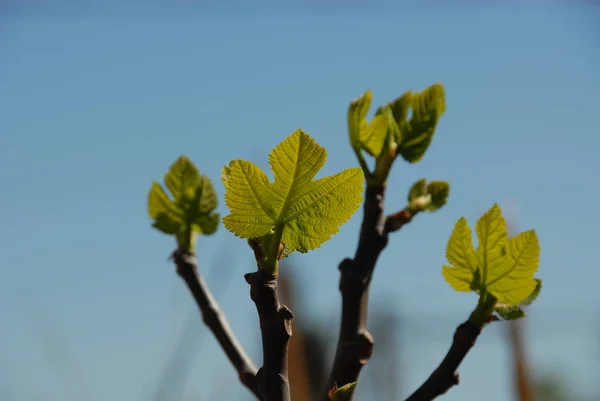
<point x="166" y="224"/>
<point x="418" y="189"/>
<point x="499" y="267"/>
<point x="189" y="209"/>
<point x="364" y="135"/>
<point x="305" y="212"/>
<point x="401" y="106"/>
<point x="512" y="280"/>
<point x="341" y="393"/>
<point x="428" y="197"/>
<point x="373" y="135"/>
<point x="492" y="236"/>
<point x="206" y="224"/>
<point x="182" y="179"/>
<point x="461" y="274"/>
<point x="508" y="312"/>
<point x="439" y="191"/>
<point x="357" y="114"/>
<point x="533" y="296"/>
<point x="427" y="108"/>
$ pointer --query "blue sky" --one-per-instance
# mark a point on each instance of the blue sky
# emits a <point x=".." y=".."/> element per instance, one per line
<point x="95" y="108"/>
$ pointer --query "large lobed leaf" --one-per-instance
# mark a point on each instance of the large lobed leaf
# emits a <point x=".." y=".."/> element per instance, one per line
<point x="190" y="207"/>
<point x="500" y="266"/>
<point x="309" y="211"/>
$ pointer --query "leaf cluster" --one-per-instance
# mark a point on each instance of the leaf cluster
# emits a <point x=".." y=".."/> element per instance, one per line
<point x="404" y="127"/>
<point x="298" y="212"/>
<point x="428" y="197"/>
<point x="189" y="210"/>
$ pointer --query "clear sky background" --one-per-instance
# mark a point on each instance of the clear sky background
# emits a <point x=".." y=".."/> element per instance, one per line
<point x="96" y="103"/>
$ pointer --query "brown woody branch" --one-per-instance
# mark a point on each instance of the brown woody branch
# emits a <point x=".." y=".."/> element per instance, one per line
<point x="355" y="343"/>
<point x="276" y="330"/>
<point x="445" y="376"/>
<point x="214" y="318"/>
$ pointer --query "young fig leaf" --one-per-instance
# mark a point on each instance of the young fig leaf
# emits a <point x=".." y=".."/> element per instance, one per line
<point x="462" y="272"/>
<point x="427" y="108"/>
<point x="189" y="210"/>
<point x="341" y="393"/>
<point x="533" y="296"/>
<point x="370" y="136"/>
<point x="504" y="267"/>
<point x="428" y="197"/>
<point x="419" y="188"/>
<point x="508" y="312"/>
<point x="306" y="212"/>
<point x="357" y="115"/>
<point x="400" y="107"/>
<point x="439" y="191"/>
<point x="373" y="135"/>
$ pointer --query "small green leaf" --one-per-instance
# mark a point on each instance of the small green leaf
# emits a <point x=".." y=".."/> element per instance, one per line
<point x="341" y="393"/>
<point x="492" y="236"/>
<point x="511" y="281"/>
<point x="190" y="210"/>
<point x="373" y="135"/>
<point x="419" y="188"/>
<point x="427" y="108"/>
<point x="305" y="212"/>
<point x="508" y="312"/>
<point x="400" y="107"/>
<point x="364" y="135"/>
<point x="439" y="191"/>
<point x="428" y="197"/>
<point x="207" y="224"/>
<point x="533" y="296"/>
<point x="182" y="179"/>
<point x="461" y="274"/>
<point x="357" y="114"/>
<point x="166" y="224"/>
<point x="502" y="268"/>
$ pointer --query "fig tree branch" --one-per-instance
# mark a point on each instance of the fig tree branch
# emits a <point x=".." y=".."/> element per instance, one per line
<point x="355" y="343"/>
<point x="214" y="318"/>
<point x="445" y="376"/>
<point x="276" y="330"/>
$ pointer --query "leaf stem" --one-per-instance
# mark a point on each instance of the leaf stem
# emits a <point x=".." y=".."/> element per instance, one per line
<point x="485" y="307"/>
<point x="363" y="163"/>
<point x="271" y="263"/>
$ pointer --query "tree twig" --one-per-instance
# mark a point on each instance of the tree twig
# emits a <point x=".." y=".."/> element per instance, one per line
<point x="355" y="343"/>
<point x="214" y="318"/>
<point x="445" y="376"/>
<point x="276" y="330"/>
